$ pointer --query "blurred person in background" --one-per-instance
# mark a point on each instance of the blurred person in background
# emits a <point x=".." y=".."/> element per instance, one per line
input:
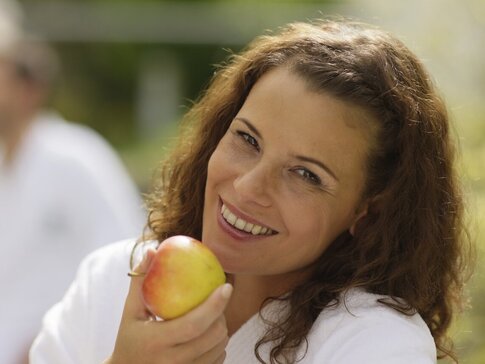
<point x="63" y="192"/>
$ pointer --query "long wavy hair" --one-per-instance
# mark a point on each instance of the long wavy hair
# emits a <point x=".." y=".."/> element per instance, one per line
<point x="412" y="243"/>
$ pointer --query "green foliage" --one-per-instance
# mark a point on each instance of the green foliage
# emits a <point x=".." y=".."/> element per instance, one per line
<point x="99" y="82"/>
<point x="97" y="87"/>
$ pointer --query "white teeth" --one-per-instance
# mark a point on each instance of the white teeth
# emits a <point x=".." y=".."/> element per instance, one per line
<point x="241" y="224"/>
<point x="248" y="227"/>
<point x="256" y="230"/>
<point x="231" y="218"/>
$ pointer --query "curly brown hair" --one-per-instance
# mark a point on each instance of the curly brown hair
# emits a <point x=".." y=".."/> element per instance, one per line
<point x="412" y="243"/>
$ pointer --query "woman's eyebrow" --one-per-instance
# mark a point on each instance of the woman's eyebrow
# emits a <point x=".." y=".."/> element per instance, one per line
<point x="250" y="126"/>
<point x="319" y="164"/>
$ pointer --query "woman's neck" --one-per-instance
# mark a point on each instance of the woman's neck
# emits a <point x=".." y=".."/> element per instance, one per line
<point x="249" y="294"/>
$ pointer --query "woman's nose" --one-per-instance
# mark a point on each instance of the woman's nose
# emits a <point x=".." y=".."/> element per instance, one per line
<point x="254" y="185"/>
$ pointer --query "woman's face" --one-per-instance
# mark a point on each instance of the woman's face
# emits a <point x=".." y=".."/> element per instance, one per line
<point x="286" y="179"/>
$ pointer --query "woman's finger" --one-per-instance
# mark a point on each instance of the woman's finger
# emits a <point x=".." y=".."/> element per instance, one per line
<point x="215" y="355"/>
<point x="134" y="305"/>
<point x="196" y="322"/>
<point x="215" y="334"/>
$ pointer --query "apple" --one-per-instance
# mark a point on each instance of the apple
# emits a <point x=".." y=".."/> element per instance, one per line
<point x="181" y="275"/>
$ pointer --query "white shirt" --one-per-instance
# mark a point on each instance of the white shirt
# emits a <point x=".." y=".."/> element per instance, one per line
<point x="82" y="328"/>
<point x="65" y="194"/>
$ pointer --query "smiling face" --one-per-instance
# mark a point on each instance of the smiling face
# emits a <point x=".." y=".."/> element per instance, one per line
<point x="286" y="179"/>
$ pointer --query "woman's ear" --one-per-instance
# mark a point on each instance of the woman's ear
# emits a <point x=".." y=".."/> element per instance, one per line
<point x="369" y="207"/>
<point x="358" y="218"/>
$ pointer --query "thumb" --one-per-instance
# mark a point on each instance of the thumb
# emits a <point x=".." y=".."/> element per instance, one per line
<point x="134" y="305"/>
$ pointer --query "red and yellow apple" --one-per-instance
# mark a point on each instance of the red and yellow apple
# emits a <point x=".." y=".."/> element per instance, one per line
<point x="181" y="275"/>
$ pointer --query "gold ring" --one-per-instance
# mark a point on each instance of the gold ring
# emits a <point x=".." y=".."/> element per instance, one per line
<point x="135" y="274"/>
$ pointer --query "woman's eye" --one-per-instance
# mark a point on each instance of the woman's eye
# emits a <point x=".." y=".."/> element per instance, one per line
<point x="308" y="176"/>
<point x="249" y="139"/>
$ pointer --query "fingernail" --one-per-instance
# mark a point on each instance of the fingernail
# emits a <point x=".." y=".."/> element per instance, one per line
<point x="226" y="290"/>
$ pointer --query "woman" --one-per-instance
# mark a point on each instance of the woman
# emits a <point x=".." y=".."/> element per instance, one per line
<point x="318" y="167"/>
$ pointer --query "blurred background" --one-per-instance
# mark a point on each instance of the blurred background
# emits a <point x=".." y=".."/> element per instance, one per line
<point x="131" y="68"/>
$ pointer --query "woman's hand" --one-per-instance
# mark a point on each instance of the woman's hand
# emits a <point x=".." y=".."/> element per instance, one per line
<point x="200" y="336"/>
